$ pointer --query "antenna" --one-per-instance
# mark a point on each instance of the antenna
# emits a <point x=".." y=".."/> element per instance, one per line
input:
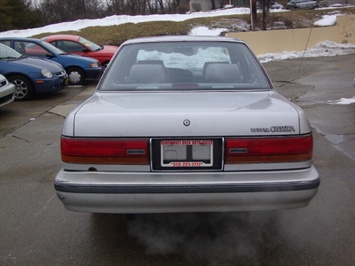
<point x="300" y="66"/>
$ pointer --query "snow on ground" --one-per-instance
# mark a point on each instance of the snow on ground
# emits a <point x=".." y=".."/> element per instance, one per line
<point x="327" y="20"/>
<point x="122" y="19"/>
<point x="205" y="31"/>
<point x="343" y="101"/>
<point x="323" y="49"/>
<point x="327" y="48"/>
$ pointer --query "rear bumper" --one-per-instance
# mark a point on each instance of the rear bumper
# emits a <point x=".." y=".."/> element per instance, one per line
<point x="207" y="192"/>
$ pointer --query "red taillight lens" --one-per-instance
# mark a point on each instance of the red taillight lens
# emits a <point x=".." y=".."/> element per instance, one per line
<point x="105" y="151"/>
<point x="268" y="149"/>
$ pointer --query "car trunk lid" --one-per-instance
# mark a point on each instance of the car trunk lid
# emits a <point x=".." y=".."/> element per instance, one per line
<point x="185" y="114"/>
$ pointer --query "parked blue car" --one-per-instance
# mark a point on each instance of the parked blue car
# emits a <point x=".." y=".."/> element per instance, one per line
<point x="31" y="75"/>
<point x="78" y="68"/>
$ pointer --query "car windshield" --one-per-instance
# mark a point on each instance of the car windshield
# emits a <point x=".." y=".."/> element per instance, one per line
<point x="93" y="46"/>
<point x="184" y="65"/>
<point x="8" y="53"/>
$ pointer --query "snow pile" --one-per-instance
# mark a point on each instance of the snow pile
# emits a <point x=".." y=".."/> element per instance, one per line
<point x="323" y="49"/>
<point x="77" y="25"/>
<point x="343" y="101"/>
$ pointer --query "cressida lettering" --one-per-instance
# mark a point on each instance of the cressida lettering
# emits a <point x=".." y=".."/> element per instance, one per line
<point x="273" y="129"/>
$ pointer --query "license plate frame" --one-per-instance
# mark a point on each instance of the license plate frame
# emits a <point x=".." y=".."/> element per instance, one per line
<point x="186" y="153"/>
<point x="199" y="162"/>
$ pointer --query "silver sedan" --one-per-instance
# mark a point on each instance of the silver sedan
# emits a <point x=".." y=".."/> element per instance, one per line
<point x="185" y="124"/>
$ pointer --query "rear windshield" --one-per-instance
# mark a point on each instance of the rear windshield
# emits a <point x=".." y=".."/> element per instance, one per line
<point x="184" y="65"/>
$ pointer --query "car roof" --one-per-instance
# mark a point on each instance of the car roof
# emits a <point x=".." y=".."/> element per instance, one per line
<point x="182" y="38"/>
<point x="63" y="36"/>
<point x="21" y="39"/>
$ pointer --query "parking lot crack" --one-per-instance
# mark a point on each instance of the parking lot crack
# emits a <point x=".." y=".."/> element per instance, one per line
<point x="55" y="113"/>
<point x="17" y="137"/>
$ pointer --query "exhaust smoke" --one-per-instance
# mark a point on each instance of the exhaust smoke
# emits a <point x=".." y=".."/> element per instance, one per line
<point x="206" y="238"/>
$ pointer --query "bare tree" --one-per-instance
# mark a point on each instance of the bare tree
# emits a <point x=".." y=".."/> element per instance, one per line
<point x="161" y="6"/>
<point x="67" y="10"/>
<point x="115" y="6"/>
<point x="265" y="7"/>
<point x="213" y="5"/>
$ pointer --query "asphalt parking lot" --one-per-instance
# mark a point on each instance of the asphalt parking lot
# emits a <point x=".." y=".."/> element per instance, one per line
<point x="35" y="229"/>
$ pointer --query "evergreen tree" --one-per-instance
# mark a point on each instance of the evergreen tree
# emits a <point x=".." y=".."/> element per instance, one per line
<point x="18" y="14"/>
<point x="6" y="19"/>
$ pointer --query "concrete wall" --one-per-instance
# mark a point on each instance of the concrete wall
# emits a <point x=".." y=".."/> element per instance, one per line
<point x="262" y="42"/>
<point x="203" y="5"/>
<point x="344" y="2"/>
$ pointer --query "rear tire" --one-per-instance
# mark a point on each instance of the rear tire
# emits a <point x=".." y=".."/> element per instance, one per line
<point x="76" y="76"/>
<point x="24" y="88"/>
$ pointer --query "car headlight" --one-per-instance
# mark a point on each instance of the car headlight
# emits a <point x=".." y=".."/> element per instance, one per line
<point x="46" y="73"/>
<point x="93" y="65"/>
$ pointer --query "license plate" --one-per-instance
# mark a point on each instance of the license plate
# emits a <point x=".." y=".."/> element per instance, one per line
<point x="186" y="153"/>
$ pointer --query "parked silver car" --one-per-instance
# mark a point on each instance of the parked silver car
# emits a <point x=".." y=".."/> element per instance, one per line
<point x="7" y="91"/>
<point x="302" y="4"/>
<point x="276" y="5"/>
<point x="185" y="124"/>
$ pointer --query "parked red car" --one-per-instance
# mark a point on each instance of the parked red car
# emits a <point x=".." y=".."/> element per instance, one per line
<point x="74" y="44"/>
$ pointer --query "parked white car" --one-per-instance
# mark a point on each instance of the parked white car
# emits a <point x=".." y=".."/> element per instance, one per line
<point x="7" y="91"/>
<point x="276" y="5"/>
<point x="272" y="5"/>
<point x="186" y="124"/>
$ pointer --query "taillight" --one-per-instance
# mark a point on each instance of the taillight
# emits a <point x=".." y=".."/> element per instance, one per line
<point x="268" y="149"/>
<point x="104" y="151"/>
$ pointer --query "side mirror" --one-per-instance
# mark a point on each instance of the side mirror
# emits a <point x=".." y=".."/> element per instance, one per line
<point x="50" y="55"/>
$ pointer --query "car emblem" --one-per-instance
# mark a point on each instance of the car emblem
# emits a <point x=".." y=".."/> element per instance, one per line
<point x="186" y="122"/>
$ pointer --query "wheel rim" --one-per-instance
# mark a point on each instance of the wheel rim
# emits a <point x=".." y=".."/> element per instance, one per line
<point x="21" y="88"/>
<point x="75" y="77"/>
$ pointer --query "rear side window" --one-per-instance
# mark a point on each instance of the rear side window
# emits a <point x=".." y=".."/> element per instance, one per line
<point x="69" y="46"/>
<point x="29" y="48"/>
<point x="7" y="43"/>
